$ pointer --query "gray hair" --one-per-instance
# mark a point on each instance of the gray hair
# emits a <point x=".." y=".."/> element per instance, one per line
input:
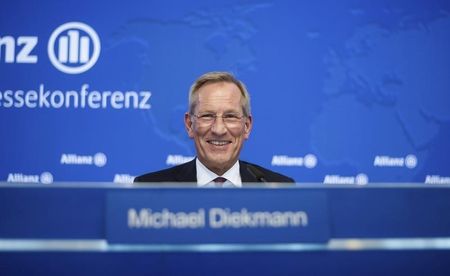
<point x="216" y="77"/>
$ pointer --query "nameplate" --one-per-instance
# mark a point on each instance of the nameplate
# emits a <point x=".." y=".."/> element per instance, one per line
<point x="205" y="216"/>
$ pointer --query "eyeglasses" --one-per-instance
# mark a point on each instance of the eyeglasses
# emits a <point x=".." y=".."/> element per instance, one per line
<point x="229" y="119"/>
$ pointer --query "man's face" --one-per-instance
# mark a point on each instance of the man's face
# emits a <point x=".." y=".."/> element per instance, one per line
<point x="218" y="143"/>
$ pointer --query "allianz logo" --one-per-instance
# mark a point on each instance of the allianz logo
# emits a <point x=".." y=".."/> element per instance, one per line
<point x="44" y="178"/>
<point x="73" y="48"/>
<point x="175" y="159"/>
<point x="437" y="179"/>
<point x="99" y="159"/>
<point x="123" y="178"/>
<point x="359" y="179"/>
<point x="308" y="161"/>
<point x="410" y="161"/>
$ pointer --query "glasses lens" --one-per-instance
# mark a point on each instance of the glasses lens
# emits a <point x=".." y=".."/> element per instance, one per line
<point x="231" y="120"/>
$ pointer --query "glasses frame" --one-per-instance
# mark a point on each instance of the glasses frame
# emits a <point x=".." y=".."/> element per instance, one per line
<point x="201" y="118"/>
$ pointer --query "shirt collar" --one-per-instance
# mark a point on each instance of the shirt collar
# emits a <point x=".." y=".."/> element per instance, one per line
<point x="205" y="176"/>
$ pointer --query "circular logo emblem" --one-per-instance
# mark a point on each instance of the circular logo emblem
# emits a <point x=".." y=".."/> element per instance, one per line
<point x="73" y="48"/>
<point x="361" y="179"/>
<point x="46" y="178"/>
<point x="310" y="161"/>
<point x="410" y="161"/>
<point x="100" y="159"/>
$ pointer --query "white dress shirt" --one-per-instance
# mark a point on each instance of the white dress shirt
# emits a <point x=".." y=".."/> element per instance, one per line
<point x="205" y="177"/>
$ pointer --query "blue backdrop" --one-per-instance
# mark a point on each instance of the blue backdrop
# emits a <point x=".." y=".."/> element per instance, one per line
<point x="342" y="92"/>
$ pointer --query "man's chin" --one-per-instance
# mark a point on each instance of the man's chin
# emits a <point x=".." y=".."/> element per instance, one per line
<point x="220" y="163"/>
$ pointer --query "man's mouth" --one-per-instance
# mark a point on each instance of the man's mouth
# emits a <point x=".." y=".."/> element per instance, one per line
<point x="218" y="142"/>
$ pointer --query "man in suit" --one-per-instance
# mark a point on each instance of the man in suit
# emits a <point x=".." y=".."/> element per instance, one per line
<point x="219" y="120"/>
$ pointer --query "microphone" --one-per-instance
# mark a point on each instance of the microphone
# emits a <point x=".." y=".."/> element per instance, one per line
<point x="256" y="173"/>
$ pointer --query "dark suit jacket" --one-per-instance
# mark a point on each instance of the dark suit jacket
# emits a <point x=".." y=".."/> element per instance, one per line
<point x="187" y="172"/>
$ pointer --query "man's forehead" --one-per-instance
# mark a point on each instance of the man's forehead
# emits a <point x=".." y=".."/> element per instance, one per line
<point x="214" y="86"/>
<point x="218" y="92"/>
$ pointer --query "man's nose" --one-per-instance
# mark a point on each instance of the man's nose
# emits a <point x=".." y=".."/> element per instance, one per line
<point x="218" y="127"/>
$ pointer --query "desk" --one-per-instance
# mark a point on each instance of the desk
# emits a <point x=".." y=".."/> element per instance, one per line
<point x="374" y="230"/>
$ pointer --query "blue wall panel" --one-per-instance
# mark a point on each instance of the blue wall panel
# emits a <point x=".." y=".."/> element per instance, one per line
<point x="342" y="92"/>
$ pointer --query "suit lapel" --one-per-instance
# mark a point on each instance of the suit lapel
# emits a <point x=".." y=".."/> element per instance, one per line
<point x="246" y="176"/>
<point x="187" y="172"/>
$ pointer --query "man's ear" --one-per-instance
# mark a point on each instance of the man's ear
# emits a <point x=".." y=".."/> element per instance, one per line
<point x="189" y="125"/>
<point x="248" y="126"/>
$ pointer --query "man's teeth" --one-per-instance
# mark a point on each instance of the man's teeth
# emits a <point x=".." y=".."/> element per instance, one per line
<point x="218" y="143"/>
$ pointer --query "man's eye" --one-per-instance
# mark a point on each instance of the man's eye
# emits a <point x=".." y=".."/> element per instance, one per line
<point x="230" y="116"/>
<point x="207" y="116"/>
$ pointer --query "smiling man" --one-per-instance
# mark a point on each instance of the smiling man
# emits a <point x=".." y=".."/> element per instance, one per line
<point x="219" y="120"/>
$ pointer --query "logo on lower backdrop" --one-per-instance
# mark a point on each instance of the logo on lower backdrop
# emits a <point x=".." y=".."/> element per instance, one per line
<point x="410" y="161"/>
<point x="99" y="159"/>
<point x="44" y="178"/>
<point x="359" y="179"/>
<point x="308" y="161"/>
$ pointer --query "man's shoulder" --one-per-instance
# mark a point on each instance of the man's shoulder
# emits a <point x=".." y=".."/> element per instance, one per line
<point x="158" y="176"/>
<point x="181" y="173"/>
<point x="268" y="175"/>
